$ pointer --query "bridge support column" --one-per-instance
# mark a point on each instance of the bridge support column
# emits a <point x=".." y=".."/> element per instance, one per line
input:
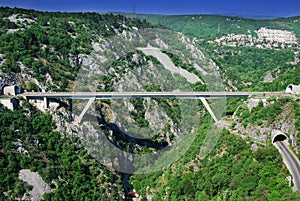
<point x="25" y="98"/>
<point x="46" y="103"/>
<point x="78" y="119"/>
<point x="206" y="105"/>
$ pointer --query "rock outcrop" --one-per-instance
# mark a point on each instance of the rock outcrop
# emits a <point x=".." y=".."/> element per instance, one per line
<point x="39" y="187"/>
<point x="274" y="35"/>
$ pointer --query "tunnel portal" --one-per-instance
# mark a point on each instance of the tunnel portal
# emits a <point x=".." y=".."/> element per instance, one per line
<point x="278" y="136"/>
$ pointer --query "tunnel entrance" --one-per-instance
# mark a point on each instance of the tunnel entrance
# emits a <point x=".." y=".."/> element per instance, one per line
<point x="280" y="137"/>
<point x="289" y="89"/>
<point x="293" y="89"/>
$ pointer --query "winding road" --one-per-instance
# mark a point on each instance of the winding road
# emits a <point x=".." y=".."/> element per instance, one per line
<point x="291" y="162"/>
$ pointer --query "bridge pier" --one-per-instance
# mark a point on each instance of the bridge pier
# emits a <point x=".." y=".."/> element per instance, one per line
<point x="46" y="103"/>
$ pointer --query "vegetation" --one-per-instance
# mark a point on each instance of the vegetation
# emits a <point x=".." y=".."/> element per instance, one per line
<point x="261" y="113"/>
<point x="208" y="27"/>
<point x="55" y="157"/>
<point x="289" y="74"/>
<point x="43" y="43"/>
<point x="51" y="43"/>
<point x="231" y="172"/>
<point x="247" y="66"/>
<point x="139" y="114"/>
<point x="297" y="114"/>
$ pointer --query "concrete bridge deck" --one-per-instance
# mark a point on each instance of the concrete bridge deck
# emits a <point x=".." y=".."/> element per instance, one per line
<point x="121" y="95"/>
<point x="91" y="96"/>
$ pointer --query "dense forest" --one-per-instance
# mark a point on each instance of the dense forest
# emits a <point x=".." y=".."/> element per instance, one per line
<point x="233" y="171"/>
<point x="207" y="27"/>
<point x="52" y="156"/>
<point x="50" y="44"/>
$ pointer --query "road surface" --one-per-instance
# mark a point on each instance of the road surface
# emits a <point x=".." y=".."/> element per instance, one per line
<point x="121" y="95"/>
<point x="291" y="162"/>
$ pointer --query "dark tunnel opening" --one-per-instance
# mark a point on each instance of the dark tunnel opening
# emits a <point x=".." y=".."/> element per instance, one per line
<point x="279" y="137"/>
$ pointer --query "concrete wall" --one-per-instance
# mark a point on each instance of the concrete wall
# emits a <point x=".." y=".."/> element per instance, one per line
<point x="10" y="103"/>
<point x="39" y="104"/>
<point x="293" y="89"/>
<point x="10" y="90"/>
<point x="1" y="89"/>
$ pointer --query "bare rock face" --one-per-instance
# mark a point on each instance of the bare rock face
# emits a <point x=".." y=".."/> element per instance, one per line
<point x="268" y="78"/>
<point x="254" y="147"/>
<point x="7" y="79"/>
<point x="39" y="187"/>
<point x="20" y="19"/>
<point x="252" y="103"/>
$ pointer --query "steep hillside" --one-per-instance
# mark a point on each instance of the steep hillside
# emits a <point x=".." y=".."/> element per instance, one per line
<point x="256" y="118"/>
<point x="29" y="141"/>
<point x="232" y="172"/>
<point x="245" y="50"/>
<point x="244" y="165"/>
<point x="165" y="149"/>
<point x="93" y="52"/>
<point x="212" y="26"/>
<point x="44" y="51"/>
<point x="46" y="47"/>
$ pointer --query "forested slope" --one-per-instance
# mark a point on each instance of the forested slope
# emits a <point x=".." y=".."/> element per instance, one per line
<point x="51" y="155"/>
<point x="44" y="50"/>
<point x="244" y="66"/>
<point x="44" y="44"/>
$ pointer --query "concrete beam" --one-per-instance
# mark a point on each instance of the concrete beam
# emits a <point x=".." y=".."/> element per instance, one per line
<point x="121" y="95"/>
<point x="206" y="105"/>
<point x="78" y="119"/>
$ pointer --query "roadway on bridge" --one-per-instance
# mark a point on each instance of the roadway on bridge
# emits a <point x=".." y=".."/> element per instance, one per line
<point x="121" y="95"/>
